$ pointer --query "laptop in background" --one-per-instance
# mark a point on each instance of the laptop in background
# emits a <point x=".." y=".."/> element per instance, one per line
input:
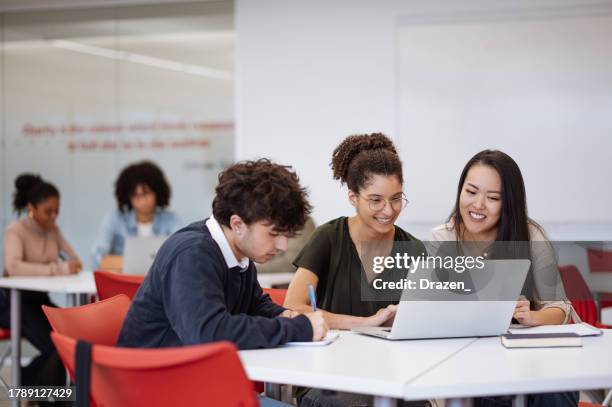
<point x="465" y="316"/>
<point x="140" y="252"/>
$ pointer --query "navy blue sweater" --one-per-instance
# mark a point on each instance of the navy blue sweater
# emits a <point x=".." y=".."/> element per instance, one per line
<point x="190" y="296"/>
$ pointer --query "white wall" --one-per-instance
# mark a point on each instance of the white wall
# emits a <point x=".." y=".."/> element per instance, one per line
<point x="311" y="73"/>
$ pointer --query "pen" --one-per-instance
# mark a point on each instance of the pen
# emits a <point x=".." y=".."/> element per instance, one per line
<point x="63" y="255"/>
<point x="313" y="299"/>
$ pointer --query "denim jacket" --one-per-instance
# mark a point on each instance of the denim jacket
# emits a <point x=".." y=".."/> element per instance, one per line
<point x="117" y="225"/>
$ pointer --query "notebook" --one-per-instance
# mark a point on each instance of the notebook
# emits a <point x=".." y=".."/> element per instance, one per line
<point x="581" y="329"/>
<point x="541" y="340"/>
<point x="329" y="338"/>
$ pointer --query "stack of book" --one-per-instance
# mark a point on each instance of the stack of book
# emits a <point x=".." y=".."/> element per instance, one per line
<point x="548" y="336"/>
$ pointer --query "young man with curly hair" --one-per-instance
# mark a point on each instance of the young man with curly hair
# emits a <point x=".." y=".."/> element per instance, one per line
<point x="202" y="286"/>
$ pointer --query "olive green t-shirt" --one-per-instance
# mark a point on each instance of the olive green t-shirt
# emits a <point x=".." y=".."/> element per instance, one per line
<point x="332" y="256"/>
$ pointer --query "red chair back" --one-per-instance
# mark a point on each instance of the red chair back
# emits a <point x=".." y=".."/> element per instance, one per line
<point x="579" y="294"/>
<point x="110" y="284"/>
<point x="5" y="334"/>
<point x="277" y="295"/>
<point x="599" y="260"/>
<point x="98" y="323"/>
<point x="201" y="375"/>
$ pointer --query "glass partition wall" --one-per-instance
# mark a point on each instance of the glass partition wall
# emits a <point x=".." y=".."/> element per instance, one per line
<point x="85" y="92"/>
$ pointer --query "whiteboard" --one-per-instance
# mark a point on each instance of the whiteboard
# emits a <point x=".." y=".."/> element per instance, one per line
<point x="539" y="90"/>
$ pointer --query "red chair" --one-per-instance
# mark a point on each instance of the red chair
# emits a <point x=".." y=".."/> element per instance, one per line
<point x="98" y="323"/>
<point x="110" y="284"/>
<point x="201" y="375"/>
<point x="277" y="295"/>
<point x="580" y="295"/>
<point x="600" y="261"/>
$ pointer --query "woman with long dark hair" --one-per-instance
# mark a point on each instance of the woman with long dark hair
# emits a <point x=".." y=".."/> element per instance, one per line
<point x="35" y="246"/>
<point x="491" y="208"/>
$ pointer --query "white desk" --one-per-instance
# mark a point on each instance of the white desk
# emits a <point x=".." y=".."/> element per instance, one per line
<point x="486" y="368"/>
<point x="354" y="363"/>
<point x="455" y="369"/>
<point x="82" y="283"/>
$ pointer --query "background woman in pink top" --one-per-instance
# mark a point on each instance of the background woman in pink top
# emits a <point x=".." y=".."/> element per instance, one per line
<point x="34" y="246"/>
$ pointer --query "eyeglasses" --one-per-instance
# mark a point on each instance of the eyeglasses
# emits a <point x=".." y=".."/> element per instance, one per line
<point x="378" y="204"/>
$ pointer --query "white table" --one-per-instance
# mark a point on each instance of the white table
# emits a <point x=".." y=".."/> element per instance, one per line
<point x="72" y="285"/>
<point x="486" y="368"/>
<point x="454" y="369"/>
<point x="353" y="363"/>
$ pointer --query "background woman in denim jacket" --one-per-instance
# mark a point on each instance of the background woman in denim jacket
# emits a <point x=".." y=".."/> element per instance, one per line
<point x="142" y="194"/>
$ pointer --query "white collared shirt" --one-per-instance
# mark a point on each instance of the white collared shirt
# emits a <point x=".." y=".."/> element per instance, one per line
<point x="219" y="237"/>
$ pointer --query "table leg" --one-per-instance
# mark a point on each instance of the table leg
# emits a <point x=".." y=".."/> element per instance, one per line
<point x="15" y="340"/>
<point x="272" y="390"/>
<point x="380" y="401"/>
<point x="520" y="400"/>
<point x="81" y="299"/>
<point x="464" y="402"/>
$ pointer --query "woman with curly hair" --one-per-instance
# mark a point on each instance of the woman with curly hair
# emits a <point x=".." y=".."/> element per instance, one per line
<point x="335" y="260"/>
<point x="142" y="194"/>
<point x="332" y="261"/>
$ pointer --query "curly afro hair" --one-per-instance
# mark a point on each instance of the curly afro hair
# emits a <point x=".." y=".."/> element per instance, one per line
<point x="261" y="190"/>
<point x="141" y="173"/>
<point x="359" y="157"/>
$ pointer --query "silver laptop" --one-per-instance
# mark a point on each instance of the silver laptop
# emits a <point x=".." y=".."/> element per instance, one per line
<point x="479" y="312"/>
<point x="140" y="252"/>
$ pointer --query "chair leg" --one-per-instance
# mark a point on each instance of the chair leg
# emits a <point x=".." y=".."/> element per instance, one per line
<point x="4" y="385"/>
<point x="608" y="398"/>
<point x="5" y="354"/>
<point x="3" y="357"/>
<point x="596" y="396"/>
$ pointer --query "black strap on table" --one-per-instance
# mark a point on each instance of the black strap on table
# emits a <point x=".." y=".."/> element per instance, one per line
<point x="82" y="374"/>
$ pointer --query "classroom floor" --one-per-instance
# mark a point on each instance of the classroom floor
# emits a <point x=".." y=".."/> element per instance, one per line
<point x="27" y="353"/>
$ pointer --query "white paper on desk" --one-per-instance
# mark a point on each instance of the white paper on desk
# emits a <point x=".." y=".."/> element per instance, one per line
<point x="329" y="338"/>
<point x="581" y="329"/>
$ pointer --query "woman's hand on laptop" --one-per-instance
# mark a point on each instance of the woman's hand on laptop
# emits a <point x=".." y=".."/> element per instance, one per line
<point x="383" y="316"/>
<point x="523" y="314"/>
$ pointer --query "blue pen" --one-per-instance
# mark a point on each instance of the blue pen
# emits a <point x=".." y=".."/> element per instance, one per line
<point x="63" y="255"/>
<point x="313" y="299"/>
